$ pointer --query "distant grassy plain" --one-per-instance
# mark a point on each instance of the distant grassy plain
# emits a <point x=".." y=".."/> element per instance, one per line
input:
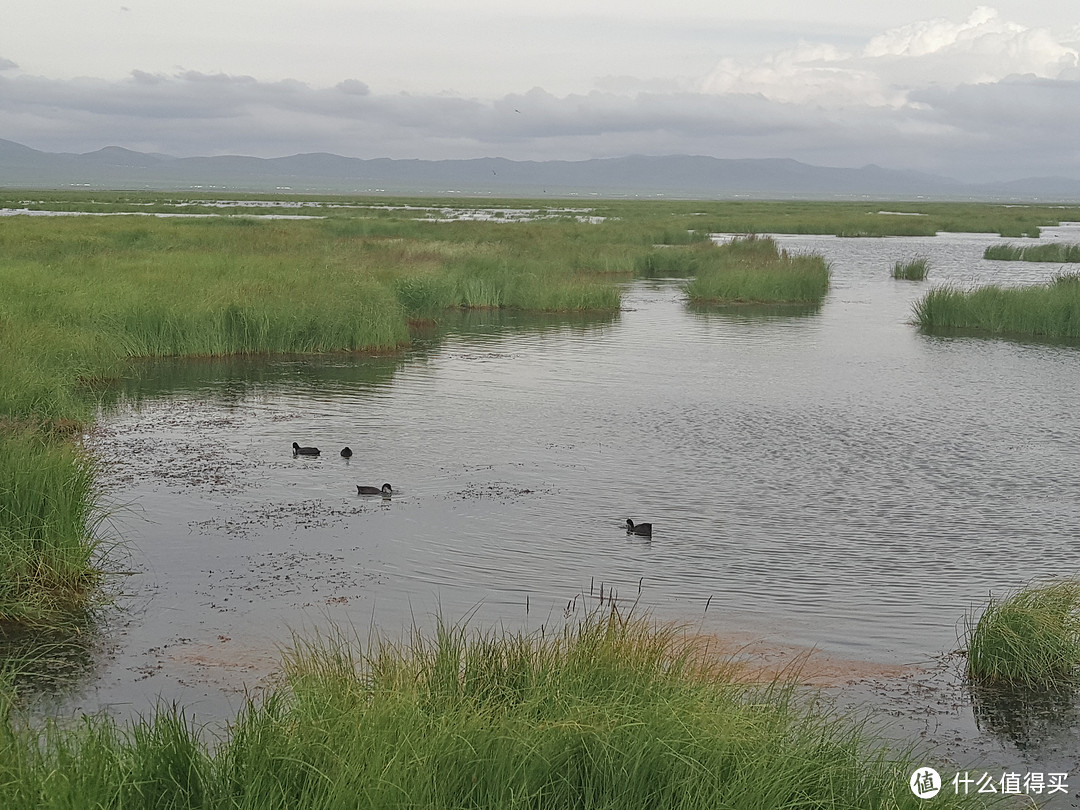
<point x="84" y="296"/>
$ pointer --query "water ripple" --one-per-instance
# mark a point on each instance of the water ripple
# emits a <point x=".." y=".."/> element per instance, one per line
<point x="830" y="474"/>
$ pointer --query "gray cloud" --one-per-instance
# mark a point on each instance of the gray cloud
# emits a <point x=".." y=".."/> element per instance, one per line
<point x="977" y="99"/>
<point x="1018" y="126"/>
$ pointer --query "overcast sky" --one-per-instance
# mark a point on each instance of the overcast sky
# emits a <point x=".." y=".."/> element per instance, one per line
<point x="973" y="92"/>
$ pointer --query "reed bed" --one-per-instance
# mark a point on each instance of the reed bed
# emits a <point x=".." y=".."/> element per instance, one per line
<point x="911" y="270"/>
<point x="754" y="270"/>
<point x="1059" y="252"/>
<point x="610" y="712"/>
<point x="1051" y="310"/>
<point x="1030" y="637"/>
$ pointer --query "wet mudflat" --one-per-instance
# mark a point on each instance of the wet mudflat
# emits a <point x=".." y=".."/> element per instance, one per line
<point x="826" y="479"/>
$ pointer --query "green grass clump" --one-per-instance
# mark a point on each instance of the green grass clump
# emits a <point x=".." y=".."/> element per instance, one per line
<point x="1051" y="310"/>
<point x="911" y="270"/>
<point x="1053" y="252"/>
<point x="608" y="713"/>
<point x="754" y="270"/>
<point x="673" y="262"/>
<point x="1031" y="637"/>
<point x="47" y="548"/>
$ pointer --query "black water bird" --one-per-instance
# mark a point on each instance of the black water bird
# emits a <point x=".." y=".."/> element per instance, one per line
<point x="643" y="529"/>
<point x="346" y="452"/>
<point x="386" y="490"/>
<point x="297" y="450"/>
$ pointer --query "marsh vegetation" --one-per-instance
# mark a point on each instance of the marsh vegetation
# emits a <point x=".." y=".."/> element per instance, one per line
<point x="753" y="270"/>
<point x="912" y="269"/>
<point x="1055" y="252"/>
<point x="1051" y="309"/>
<point x="86" y="297"/>
<point x="609" y="712"/>
<point x="1030" y="637"/>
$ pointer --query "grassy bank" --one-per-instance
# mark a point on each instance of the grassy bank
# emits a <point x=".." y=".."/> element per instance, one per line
<point x="1054" y="252"/>
<point x="608" y="713"/>
<point x="1030" y="637"/>
<point x="47" y="548"/>
<point x="754" y="270"/>
<point x="1051" y="310"/>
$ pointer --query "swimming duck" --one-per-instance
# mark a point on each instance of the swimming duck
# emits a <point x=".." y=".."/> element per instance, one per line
<point x="297" y="450"/>
<point x="644" y="529"/>
<point x="346" y="452"/>
<point x="386" y="490"/>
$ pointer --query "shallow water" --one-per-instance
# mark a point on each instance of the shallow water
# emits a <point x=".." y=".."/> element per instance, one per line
<point x="422" y="213"/>
<point x="826" y="477"/>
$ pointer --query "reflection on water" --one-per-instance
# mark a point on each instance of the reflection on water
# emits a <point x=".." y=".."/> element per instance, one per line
<point x="828" y="477"/>
<point x="748" y="313"/>
<point x="47" y="665"/>
<point x="1031" y="719"/>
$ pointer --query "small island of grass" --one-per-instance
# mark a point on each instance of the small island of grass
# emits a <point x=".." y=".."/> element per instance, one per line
<point x="753" y="270"/>
<point x="1045" y="310"/>
<point x="911" y="270"/>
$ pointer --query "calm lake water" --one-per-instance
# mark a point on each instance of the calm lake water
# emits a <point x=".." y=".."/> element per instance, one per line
<point x="828" y="477"/>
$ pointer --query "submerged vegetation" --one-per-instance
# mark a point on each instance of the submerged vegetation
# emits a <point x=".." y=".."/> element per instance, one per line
<point x="754" y="270"/>
<point x="610" y="712"/>
<point x="911" y="270"/>
<point x="1054" y="252"/>
<point x="1031" y="637"/>
<point x="1051" y="310"/>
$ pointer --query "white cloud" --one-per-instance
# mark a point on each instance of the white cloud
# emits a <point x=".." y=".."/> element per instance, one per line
<point x="806" y="74"/>
<point x="984" y="48"/>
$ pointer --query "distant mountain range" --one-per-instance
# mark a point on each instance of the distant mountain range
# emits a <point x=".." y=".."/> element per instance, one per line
<point x="677" y="176"/>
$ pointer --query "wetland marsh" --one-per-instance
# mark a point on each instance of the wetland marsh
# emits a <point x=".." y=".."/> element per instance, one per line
<point x="823" y="475"/>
